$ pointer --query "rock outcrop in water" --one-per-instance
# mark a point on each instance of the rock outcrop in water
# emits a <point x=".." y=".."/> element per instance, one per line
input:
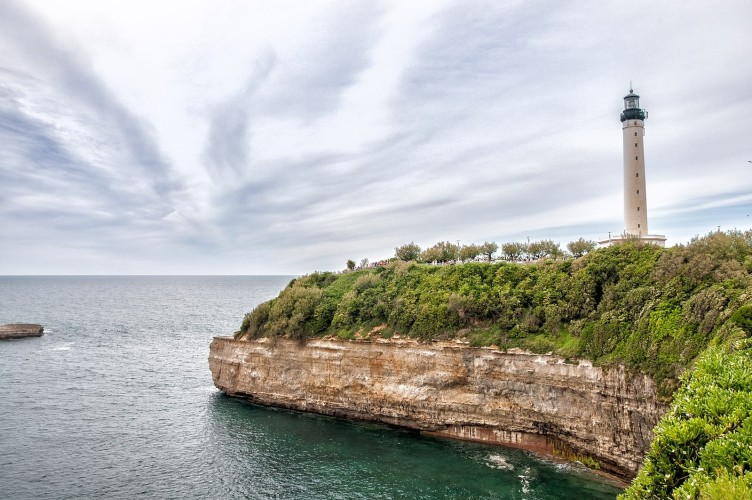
<point x="531" y="401"/>
<point x="20" y="330"/>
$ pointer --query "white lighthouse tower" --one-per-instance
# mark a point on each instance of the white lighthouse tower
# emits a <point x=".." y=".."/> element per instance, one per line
<point x="635" y="193"/>
<point x="635" y="201"/>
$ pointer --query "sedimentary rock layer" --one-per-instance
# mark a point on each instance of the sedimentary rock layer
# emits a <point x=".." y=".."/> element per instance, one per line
<point x="520" y="399"/>
<point x="20" y="330"/>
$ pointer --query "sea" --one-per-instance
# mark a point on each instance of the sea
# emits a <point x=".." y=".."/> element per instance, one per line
<point x="116" y="401"/>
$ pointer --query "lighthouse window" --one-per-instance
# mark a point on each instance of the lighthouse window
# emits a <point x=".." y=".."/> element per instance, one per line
<point x="635" y="134"/>
<point x="637" y="174"/>
<point x="636" y="158"/>
<point x="638" y="226"/>
<point x="638" y="191"/>
<point x="635" y="144"/>
<point x="638" y="209"/>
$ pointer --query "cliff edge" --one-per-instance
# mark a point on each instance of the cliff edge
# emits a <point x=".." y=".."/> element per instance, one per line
<point x="532" y="401"/>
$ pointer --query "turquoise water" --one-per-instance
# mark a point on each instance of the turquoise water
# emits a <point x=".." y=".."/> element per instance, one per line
<point x="116" y="401"/>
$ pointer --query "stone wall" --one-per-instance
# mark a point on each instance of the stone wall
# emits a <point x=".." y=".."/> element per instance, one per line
<point x="520" y="399"/>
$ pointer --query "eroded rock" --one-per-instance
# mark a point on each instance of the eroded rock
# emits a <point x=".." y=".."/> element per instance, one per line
<point x="532" y="401"/>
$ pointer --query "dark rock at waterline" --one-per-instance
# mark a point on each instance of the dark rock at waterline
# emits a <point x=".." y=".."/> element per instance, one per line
<point x="20" y="330"/>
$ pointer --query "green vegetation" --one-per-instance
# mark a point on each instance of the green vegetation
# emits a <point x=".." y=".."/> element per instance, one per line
<point x="650" y="308"/>
<point x="448" y="252"/>
<point x="580" y="247"/>
<point x="443" y="251"/>
<point x="408" y="252"/>
<point x="703" y="445"/>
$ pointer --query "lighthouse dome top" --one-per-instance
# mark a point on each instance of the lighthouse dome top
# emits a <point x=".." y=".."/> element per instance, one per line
<point x="632" y="110"/>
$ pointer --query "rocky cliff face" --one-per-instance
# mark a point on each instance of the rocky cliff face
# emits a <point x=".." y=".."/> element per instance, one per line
<point x="520" y="399"/>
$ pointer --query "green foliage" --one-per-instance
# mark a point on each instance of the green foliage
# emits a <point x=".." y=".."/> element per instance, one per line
<point x="653" y="309"/>
<point x="488" y="248"/>
<point x="723" y="486"/>
<point x="469" y="252"/>
<point x="443" y="251"/>
<point x="254" y="323"/>
<point x="650" y="308"/>
<point x="289" y="314"/>
<point x="588" y="461"/>
<point x="703" y="445"/>
<point x="580" y="247"/>
<point x="408" y="252"/>
<point x="544" y="248"/>
<point x="743" y="318"/>
<point x="350" y="264"/>
<point x="513" y="251"/>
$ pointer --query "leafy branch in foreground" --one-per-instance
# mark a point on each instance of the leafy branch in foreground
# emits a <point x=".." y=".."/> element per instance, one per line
<point x="703" y="445"/>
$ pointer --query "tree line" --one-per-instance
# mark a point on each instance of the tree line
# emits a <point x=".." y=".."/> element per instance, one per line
<point x="446" y="251"/>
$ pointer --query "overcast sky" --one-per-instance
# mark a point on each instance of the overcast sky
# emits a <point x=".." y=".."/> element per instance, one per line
<point x="240" y="137"/>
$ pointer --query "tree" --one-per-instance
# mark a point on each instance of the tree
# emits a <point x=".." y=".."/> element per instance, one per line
<point x="555" y="251"/>
<point x="431" y="254"/>
<point x="542" y="249"/>
<point x="580" y="247"/>
<point x="443" y="251"/>
<point x="536" y="250"/>
<point x="513" y="251"/>
<point x="350" y="264"/>
<point x="407" y="252"/>
<point x="469" y="252"/>
<point x="364" y="262"/>
<point x="488" y="249"/>
<point x="551" y="249"/>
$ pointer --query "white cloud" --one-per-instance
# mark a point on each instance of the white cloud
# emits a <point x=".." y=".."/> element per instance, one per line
<point x="256" y="137"/>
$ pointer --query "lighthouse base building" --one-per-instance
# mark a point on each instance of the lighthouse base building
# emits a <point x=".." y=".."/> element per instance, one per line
<point x="653" y="239"/>
<point x="635" y="195"/>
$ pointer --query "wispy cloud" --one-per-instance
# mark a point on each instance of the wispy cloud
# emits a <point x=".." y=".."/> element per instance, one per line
<point x="228" y="144"/>
<point x="74" y="163"/>
<point x="256" y="138"/>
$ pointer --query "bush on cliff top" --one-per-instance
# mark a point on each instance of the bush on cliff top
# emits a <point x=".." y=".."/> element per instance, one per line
<point x="647" y="307"/>
<point x="703" y="445"/>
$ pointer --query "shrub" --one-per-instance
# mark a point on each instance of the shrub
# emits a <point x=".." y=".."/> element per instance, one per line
<point x="703" y="445"/>
<point x="290" y="311"/>
<point x="651" y="308"/>
<point x="254" y="323"/>
<point x="743" y="318"/>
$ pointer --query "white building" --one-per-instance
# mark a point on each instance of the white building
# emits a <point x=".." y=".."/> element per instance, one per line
<point x="635" y="195"/>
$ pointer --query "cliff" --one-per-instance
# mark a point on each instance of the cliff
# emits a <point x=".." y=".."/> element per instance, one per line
<point x="531" y="401"/>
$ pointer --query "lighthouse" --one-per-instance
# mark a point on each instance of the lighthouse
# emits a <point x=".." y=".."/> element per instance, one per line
<point x="635" y="200"/>
<point x="635" y="186"/>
